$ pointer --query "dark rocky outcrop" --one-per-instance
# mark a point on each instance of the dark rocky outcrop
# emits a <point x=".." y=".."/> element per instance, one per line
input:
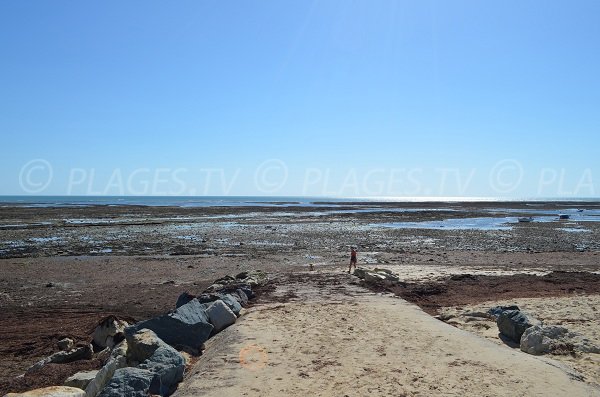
<point x="512" y="324"/>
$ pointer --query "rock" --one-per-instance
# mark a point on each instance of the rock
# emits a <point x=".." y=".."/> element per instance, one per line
<point x="184" y="298"/>
<point x="226" y="280"/>
<point x="512" y="324"/>
<point x="252" y="278"/>
<point x="65" y="344"/>
<point x="247" y="290"/>
<point x="476" y="314"/>
<point x="539" y="340"/>
<point x="360" y="272"/>
<point x="149" y="352"/>
<point x="228" y="299"/>
<point x="216" y="287"/>
<point x="80" y="353"/>
<point x="241" y="276"/>
<point x="187" y="327"/>
<point x="207" y="297"/>
<point x="116" y="360"/>
<point x="220" y="315"/>
<point x="169" y="365"/>
<point x="496" y="310"/>
<point x="119" y="353"/>
<point x="232" y="303"/>
<point x="242" y="295"/>
<point x="81" y="379"/>
<point x="377" y="275"/>
<point x="132" y="382"/>
<point x="373" y="277"/>
<point x="52" y="391"/>
<point x="109" y="332"/>
<point x="554" y="339"/>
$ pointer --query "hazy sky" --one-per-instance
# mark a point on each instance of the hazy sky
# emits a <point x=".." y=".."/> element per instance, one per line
<point x="355" y="98"/>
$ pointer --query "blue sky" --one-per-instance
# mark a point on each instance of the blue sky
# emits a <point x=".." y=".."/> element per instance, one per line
<point x="391" y="98"/>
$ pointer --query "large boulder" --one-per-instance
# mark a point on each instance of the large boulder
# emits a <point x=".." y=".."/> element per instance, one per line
<point x="220" y="315"/>
<point x="232" y="303"/>
<point x="109" y="332"/>
<point x="240" y="296"/>
<point x="228" y="299"/>
<point x="185" y="328"/>
<point x="555" y="339"/>
<point x="147" y="351"/>
<point x="81" y="379"/>
<point x="116" y="360"/>
<point x="52" y="391"/>
<point x="512" y="324"/>
<point x="132" y="382"/>
<point x="184" y="298"/>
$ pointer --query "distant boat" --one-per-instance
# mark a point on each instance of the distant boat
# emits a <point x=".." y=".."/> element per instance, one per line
<point x="563" y="216"/>
<point x="526" y="219"/>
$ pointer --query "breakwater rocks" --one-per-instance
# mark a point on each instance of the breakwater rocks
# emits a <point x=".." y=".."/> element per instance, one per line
<point x="150" y="356"/>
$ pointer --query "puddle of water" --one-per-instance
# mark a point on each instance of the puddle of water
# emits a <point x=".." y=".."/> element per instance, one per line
<point x="573" y="230"/>
<point x="456" y="224"/>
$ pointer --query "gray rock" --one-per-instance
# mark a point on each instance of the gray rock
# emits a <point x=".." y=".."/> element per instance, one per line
<point x="512" y="324"/>
<point x="65" y="344"/>
<point x="496" y="310"/>
<point x="149" y="352"/>
<point x="539" y="340"/>
<point x="240" y="297"/>
<point x="102" y="378"/>
<point x="228" y="299"/>
<point x="184" y="298"/>
<point x="186" y="328"/>
<point x="373" y="277"/>
<point x="81" y="379"/>
<point x="52" y="391"/>
<point x="80" y="353"/>
<point x="248" y="291"/>
<point x="169" y="365"/>
<point x="232" y="303"/>
<point x="132" y="382"/>
<point x="109" y="332"/>
<point x="549" y="339"/>
<point x="360" y="272"/>
<point x="220" y="315"/>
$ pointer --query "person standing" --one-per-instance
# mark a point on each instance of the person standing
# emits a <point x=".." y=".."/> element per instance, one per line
<point x="353" y="259"/>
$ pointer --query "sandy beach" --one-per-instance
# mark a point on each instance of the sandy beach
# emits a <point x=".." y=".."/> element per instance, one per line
<point x="63" y="269"/>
